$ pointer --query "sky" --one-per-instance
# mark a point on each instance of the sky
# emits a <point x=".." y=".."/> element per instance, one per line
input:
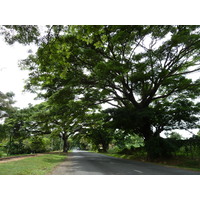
<point x="11" y="77"/>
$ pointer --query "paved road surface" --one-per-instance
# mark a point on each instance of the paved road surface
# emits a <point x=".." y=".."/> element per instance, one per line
<point x="87" y="163"/>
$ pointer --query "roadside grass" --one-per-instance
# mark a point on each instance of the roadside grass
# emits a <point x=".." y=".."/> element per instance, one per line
<point x="38" y="165"/>
<point x="178" y="161"/>
<point x="183" y="162"/>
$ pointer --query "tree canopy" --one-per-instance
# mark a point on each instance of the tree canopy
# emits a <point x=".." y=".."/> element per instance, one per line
<point x="135" y="67"/>
<point x="141" y="70"/>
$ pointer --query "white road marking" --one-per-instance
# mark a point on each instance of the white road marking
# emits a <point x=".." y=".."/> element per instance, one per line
<point x="138" y="171"/>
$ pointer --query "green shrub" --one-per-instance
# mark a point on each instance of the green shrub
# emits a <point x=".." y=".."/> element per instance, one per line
<point x="127" y="151"/>
<point x="34" y="144"/>
<point x="158" y="148"/>
<point x="114" y="149"/>
<point x="39" y="144"/>
<point x="15" y="147"/>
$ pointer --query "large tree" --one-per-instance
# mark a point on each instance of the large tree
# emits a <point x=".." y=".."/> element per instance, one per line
<point x="137" y="68"/>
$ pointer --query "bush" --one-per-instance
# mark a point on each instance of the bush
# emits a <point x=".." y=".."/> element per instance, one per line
<point x="39" y="144"/>
<point x="114" y="149"/>
<point x="27" y="145"/>
<point x="159" y="148"/>
<point x="33" y="144"/>
<point x="127" y="151"/>
<point x="15" y="147"/>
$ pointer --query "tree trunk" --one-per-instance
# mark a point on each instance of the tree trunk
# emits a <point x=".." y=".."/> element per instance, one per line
<point x="105" y="148"/>
<point x="158" y="148"/>
<point x="146" y="131"/>
<point x="148" y="138"/>
<point x="65" y="143"/>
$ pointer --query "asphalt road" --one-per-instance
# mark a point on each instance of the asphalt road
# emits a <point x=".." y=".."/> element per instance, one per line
<point x="87" y="163"/>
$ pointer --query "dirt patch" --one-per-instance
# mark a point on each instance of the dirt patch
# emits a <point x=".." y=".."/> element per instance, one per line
<point x="15" y="158"/>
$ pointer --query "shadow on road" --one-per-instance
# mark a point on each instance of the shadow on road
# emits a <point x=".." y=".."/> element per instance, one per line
<point x="88" y="163"/>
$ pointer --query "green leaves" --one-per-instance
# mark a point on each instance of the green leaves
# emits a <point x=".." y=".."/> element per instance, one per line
<point x="20" y="33"/>
<point x="141" y="69"/>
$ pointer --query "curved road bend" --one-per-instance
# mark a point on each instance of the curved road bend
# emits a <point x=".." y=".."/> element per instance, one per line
<point x="87" y="163"/>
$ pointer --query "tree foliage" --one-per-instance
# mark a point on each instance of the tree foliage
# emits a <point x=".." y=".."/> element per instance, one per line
<point x="97" y="131"/>
<point x="141" y="70"/>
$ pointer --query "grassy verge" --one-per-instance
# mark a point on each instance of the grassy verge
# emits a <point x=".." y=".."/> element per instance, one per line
<point x="180" y="162"/>
<point x="183" y="162"/>
<point x="124" y="156"/>
<point x="39" y="165"/>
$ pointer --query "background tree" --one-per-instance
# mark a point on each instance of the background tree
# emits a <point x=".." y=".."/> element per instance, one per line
<point x="97" y="131"/>
<point x="66" y="119"/>
<point x="22" y="126"/>
<point x="6" y="101"/>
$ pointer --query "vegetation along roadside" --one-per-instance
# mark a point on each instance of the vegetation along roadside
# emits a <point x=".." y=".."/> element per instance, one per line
<point x="179" y="161"/>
